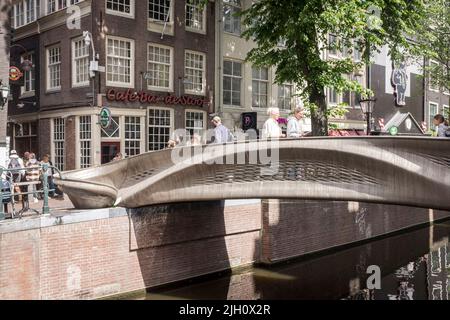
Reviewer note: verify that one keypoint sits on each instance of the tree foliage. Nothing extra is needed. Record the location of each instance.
(433, 42)
(304, 27)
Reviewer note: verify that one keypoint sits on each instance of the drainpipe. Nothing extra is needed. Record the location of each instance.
(219, 57)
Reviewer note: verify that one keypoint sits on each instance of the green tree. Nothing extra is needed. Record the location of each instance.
(304, 27)
(433, 42)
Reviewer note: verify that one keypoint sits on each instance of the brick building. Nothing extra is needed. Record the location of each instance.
(156, 73)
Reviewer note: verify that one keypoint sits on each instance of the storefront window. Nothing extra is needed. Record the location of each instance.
(113, 131)
(85, 142)
(160, 124)
(132, 136)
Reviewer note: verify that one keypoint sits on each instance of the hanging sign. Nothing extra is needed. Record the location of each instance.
(15, 74)
(105, 117)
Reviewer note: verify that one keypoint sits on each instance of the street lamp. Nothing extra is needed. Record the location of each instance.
(93, 66)
(4, 95)
(367, 107)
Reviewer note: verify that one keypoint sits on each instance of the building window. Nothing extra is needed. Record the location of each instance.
(195, 122)
(30, 10)
(113, 131)
(195, 15)
(85, 142)
(232, 83)
(433, 110)
(29, 75)
(160, 125)
(231, 10)
(160, 67)
(120, 62)
(433, 82)
(19, 14)
(58, 143)
(260, 87)
(446, 112)
(333, 46)
(54, 68)
(80, 63)
(120, 7)
(195, 66)
(132, 136)
(285, 96)
(159, 10)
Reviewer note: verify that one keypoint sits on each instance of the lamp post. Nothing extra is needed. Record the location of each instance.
(93, 66)
(4, 95)
(367, 107)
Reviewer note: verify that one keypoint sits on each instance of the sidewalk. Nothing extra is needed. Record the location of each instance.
(56, 205)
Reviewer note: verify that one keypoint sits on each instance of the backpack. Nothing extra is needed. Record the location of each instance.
(14, 164)
(447, 133)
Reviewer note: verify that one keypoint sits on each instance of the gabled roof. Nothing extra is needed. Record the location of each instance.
(399, 118)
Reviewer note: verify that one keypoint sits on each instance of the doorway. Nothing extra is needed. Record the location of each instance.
(109, 151)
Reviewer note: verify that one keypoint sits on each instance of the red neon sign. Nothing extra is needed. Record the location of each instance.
(145, 97)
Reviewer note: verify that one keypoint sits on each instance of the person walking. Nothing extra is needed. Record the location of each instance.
(15, 165)
(441, 126)
(294, 127)
(32, 175)
(221, 133)
(271, 129)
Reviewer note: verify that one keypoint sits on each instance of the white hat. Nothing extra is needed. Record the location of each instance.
(13, 154)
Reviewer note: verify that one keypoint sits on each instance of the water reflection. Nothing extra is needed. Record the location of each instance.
(414, 266)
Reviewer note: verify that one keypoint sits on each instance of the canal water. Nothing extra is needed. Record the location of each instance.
(414, 266)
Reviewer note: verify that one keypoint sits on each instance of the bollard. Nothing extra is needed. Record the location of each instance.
(2, 212)
(45, 209)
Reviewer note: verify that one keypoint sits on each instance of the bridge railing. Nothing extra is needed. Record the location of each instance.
(9, 184)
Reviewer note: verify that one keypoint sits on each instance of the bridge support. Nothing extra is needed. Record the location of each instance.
(293, 228)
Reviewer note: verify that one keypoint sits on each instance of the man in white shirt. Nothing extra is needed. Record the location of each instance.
(294, 127)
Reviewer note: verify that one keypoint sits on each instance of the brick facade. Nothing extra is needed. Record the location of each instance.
(4, 70)
(93, 254)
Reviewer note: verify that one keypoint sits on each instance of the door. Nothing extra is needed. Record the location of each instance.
(109, 151)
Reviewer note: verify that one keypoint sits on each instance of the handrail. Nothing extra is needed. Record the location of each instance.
(7, 174)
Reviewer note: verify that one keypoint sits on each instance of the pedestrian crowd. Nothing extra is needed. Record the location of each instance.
(28, 173)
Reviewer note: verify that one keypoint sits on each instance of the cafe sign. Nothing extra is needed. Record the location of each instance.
(105, 117)
(145, 97)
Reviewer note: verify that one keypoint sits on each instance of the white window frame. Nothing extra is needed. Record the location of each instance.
(429, 117)
(131, 15)
(76, 84)
(203, 28)
(55, 141)
(339, 97)
(171, 14)
(171, 127)
(205, 119)
(236, 8)
(232, 76)
(141, 132)
(32, 75)
(81, 139)
(171, 69)
(47, 67)
(444, 112)
(339, 52)
(268, 87)
(110, 83)
(430, 84)
(204, 70)
(291, 99)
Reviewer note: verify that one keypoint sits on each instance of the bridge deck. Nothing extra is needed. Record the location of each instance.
(392, 170)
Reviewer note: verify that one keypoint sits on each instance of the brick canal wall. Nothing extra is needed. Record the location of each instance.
(95, 254)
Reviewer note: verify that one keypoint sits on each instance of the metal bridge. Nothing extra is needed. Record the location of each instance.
(413, 171)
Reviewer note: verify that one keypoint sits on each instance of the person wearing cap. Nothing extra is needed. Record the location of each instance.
(15, 162)
(221, 133)
(271, 129)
